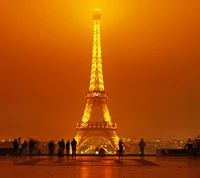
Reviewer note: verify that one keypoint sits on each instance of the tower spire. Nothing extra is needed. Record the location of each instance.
(96, 77)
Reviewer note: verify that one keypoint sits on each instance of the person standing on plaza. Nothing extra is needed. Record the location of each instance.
(15, 148)
(121, 149)
(24, 148)
(19, 140)
(73, 144)
(31, 146)
(62, 147)
(189, 146)
(142, 146)
(51, 146)
(67, 148)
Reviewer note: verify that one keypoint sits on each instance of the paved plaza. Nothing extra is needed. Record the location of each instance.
(96, 166)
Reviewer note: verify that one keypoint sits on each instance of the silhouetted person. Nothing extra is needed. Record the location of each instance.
(67, 148)
(121, 149)
(15, 148)
(189, 146)
(101, 151)
(19, 140)
(51, 146)
(31, 145)
(23, 150)
(62, 147)
(73, 144)
(142, 146)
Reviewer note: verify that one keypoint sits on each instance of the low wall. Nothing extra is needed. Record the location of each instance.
(178, 152)
(6, 151)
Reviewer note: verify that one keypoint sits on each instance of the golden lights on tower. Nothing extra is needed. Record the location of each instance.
(96, 78)
(87, 111)
(96, 88)
(97, 97)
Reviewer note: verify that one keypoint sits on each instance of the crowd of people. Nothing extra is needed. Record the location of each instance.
(69, 148)
(63, 146)
(16, 147)
(20, 147)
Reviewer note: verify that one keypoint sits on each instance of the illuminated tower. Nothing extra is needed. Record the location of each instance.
(96, 132)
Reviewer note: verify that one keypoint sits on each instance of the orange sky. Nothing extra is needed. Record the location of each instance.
(151, 53)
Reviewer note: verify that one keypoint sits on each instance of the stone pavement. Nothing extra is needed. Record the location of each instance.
(96, 166)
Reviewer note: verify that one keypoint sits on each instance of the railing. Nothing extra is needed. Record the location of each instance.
(96, 94)
(96, 125)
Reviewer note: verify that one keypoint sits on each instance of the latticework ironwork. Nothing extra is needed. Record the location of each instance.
(96, 97)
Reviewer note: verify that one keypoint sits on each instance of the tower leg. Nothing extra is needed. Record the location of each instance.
(106, 113)
(87, 112)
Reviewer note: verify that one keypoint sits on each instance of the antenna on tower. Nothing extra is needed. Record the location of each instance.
(97, 14)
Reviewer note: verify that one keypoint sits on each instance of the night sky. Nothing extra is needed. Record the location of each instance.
(150, 52)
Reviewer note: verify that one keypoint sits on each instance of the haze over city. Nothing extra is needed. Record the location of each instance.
(150, 53)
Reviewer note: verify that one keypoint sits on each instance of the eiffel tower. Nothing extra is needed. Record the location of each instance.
(96, 133)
